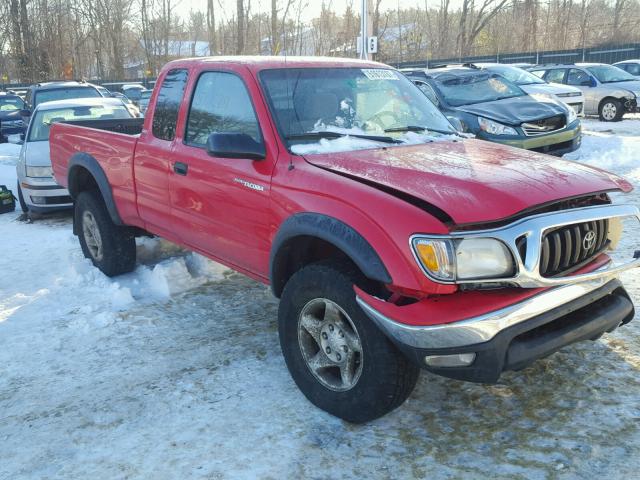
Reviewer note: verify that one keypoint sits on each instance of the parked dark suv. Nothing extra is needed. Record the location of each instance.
(49, 91)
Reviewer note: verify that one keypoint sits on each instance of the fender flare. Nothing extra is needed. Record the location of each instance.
(86, 161)
(333, 231)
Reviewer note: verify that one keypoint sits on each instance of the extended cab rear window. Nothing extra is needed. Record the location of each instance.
(165, 115)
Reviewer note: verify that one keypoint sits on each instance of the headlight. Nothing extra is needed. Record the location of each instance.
(495, 128)
(449, 260)
(572, 116)
(39, 172)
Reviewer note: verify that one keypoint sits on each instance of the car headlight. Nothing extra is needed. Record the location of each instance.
(572, 116)
(495, 128)
(39, 172)
(449, 260)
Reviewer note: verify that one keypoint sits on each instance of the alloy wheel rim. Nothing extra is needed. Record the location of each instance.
(609, 111)
(92, 236)
(330, 344)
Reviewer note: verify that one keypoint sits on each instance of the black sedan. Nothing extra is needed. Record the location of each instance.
(495, 109)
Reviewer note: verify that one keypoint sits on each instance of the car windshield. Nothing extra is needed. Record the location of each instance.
(64, 94)
(374, 104)
(43, 119)
(516, 75)
(9, 104)
(610, 74)
(473, 88)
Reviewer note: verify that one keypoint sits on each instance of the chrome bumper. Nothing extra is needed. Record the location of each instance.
(483, 328)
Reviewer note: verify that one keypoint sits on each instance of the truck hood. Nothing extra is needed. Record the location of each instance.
(472, 181)
(514, 111)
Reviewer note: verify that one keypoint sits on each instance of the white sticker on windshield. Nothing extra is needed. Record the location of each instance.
(379, 74)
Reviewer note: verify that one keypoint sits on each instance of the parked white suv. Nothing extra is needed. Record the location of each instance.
(534, 85)
(630, 66)
(609, 91)
(38, 192)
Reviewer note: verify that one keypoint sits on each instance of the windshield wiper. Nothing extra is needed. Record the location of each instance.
(329, 134)
(408, 128)
(417, 129)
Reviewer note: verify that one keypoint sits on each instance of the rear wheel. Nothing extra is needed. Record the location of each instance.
(338, 358)
(110, 247)
(611, 110)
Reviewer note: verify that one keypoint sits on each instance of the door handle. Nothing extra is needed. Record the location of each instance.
(180, 168)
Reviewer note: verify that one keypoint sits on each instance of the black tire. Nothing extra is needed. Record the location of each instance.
(610, 110)
(23, 204)
(386, 377)
(118, 245)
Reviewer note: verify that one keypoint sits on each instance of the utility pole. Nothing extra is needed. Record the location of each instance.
(365, 28)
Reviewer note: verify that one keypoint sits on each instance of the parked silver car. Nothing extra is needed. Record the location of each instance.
(37, 190)
(534, 85)
(609, 91)
(630, 66)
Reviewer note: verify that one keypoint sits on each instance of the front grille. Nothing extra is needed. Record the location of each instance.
(544, 126)
(568, 248)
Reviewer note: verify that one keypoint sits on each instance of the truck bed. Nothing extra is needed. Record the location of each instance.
(110, 143)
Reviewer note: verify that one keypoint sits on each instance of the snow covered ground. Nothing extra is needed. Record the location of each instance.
(174, 372)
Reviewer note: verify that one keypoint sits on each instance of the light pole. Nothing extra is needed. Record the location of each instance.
(364, 17)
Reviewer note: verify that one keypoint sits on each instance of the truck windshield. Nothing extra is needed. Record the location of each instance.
(382, 105)
(41, 123)
(472, 88)
(65, 94)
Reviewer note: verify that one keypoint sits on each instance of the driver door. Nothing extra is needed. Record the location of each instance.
(222, 204)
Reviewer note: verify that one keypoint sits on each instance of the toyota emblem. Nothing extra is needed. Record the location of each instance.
(589, 239)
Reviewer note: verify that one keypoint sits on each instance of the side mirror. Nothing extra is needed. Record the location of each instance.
(456, 122)
(235, 145)
(593, 82)
(23, 136)
(25, 112)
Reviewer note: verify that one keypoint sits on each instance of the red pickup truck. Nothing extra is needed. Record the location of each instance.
(392, 242)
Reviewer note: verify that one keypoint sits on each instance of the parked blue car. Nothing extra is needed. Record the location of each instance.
(492, 108)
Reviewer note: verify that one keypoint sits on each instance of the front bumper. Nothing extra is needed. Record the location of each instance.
(558, 143)
(631, 106)
(44, 195)
(513, 337)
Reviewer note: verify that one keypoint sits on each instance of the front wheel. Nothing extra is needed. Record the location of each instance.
(23, 204)
(338, 358)
(110, 247)
(611, 110)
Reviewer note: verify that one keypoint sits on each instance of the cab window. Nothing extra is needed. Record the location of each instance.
(165, 115)
(220, 104)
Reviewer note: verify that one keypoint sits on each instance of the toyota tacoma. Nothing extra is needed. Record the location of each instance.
(392, 242)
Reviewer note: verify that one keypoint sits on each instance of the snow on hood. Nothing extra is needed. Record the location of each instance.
(473, 181)
(349, 143)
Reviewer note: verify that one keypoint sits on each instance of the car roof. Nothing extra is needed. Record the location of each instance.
(8, 94)
(257, 63)
(64, 84)
(628, 61)
(79, 102)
